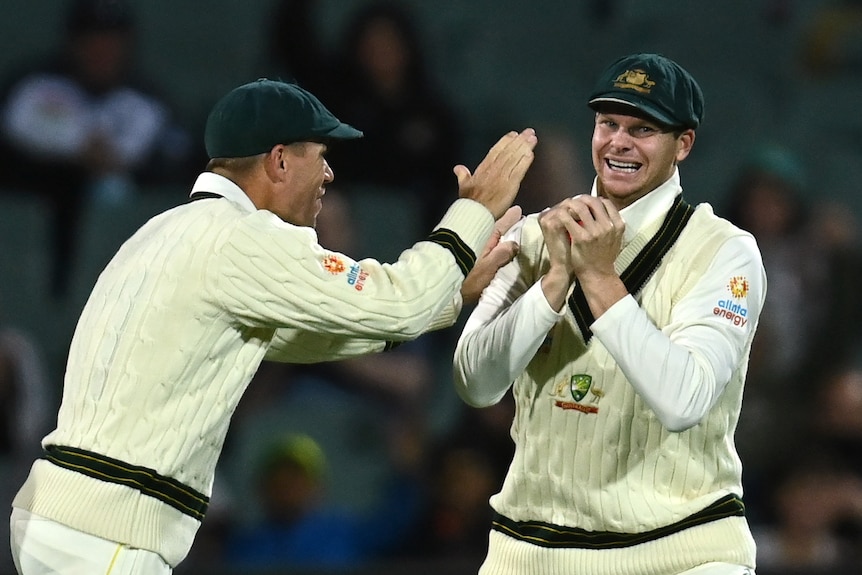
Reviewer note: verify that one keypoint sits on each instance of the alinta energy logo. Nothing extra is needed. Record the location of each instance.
(356, 277)
(729, 308)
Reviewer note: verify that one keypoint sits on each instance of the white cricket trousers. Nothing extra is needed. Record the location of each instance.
(44, 547)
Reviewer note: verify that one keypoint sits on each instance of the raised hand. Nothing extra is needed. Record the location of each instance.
(498, 176)
(583, 235)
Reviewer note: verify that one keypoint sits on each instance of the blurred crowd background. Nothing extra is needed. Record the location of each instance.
(373, 465)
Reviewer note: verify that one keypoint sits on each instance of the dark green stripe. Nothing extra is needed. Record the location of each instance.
(464, 256)
(642, 267)
(204, 196)
(556, 536)
(636, 275)
(147, 481)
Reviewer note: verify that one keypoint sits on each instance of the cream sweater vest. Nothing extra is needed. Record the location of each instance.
(605, 463)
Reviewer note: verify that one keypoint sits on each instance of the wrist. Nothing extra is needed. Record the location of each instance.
(602, 290)
(555, 286)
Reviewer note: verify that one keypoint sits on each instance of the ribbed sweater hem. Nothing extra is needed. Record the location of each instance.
(726, 540)
(107, 510)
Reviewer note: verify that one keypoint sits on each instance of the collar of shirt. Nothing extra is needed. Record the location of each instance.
(216, 184)
(653, 205)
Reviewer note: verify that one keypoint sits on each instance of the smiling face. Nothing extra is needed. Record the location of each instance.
(633, 155)
(305, 173)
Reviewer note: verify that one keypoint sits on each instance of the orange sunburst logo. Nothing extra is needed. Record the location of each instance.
(738, 287)
(334, 264)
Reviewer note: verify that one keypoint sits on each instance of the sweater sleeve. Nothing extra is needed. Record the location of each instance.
(275, 275)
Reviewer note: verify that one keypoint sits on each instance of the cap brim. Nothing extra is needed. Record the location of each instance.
(638, 104)
(343, 131)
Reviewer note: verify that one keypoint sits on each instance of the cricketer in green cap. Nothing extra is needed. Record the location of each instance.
(655, 85)
(254, 117)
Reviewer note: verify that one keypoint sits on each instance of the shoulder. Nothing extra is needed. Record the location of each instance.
(706, 221)
(25, 71)
(708, 236)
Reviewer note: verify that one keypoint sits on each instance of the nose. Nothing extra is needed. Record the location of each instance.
(621, 139)
(328, 174)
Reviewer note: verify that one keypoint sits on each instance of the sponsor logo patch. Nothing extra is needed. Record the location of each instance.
(334, 264)
(356, 277)
(729, 308)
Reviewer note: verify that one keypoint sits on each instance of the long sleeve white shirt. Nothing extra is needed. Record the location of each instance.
(627, 435)
(690, 360)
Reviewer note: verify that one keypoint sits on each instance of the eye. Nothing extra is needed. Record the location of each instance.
(644, 131)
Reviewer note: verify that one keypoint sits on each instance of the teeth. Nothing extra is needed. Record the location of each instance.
(623, 166)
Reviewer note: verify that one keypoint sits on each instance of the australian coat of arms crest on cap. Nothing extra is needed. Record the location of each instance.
(635, 80)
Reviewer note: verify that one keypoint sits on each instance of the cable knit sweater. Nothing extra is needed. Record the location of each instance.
(175, 328)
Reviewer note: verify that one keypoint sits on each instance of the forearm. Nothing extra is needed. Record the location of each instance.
(677, 382)
(681, 369)
(490, 355)
(448, 316)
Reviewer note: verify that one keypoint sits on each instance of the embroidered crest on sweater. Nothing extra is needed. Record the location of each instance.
(580, 387)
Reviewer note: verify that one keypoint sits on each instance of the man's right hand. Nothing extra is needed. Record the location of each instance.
(498, 177)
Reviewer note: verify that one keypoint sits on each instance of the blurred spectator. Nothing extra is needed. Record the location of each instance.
(832, 40)
(812, 501)
(456, 519)
(83, 126)
(766, 200)
(25, 404)
(464, 470)
(556, 173)
(412, 132)
(840, 422)
(810, 318)
(25, 400)
(815, 510)
(488, 430)
(817, 506)
(295, 52)
(300, 529)
(804, 246)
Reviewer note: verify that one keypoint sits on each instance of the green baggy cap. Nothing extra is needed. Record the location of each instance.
(654, 84)
(254, 117)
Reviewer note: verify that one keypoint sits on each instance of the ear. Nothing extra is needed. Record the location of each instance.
(684, 143)
(275, 163)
